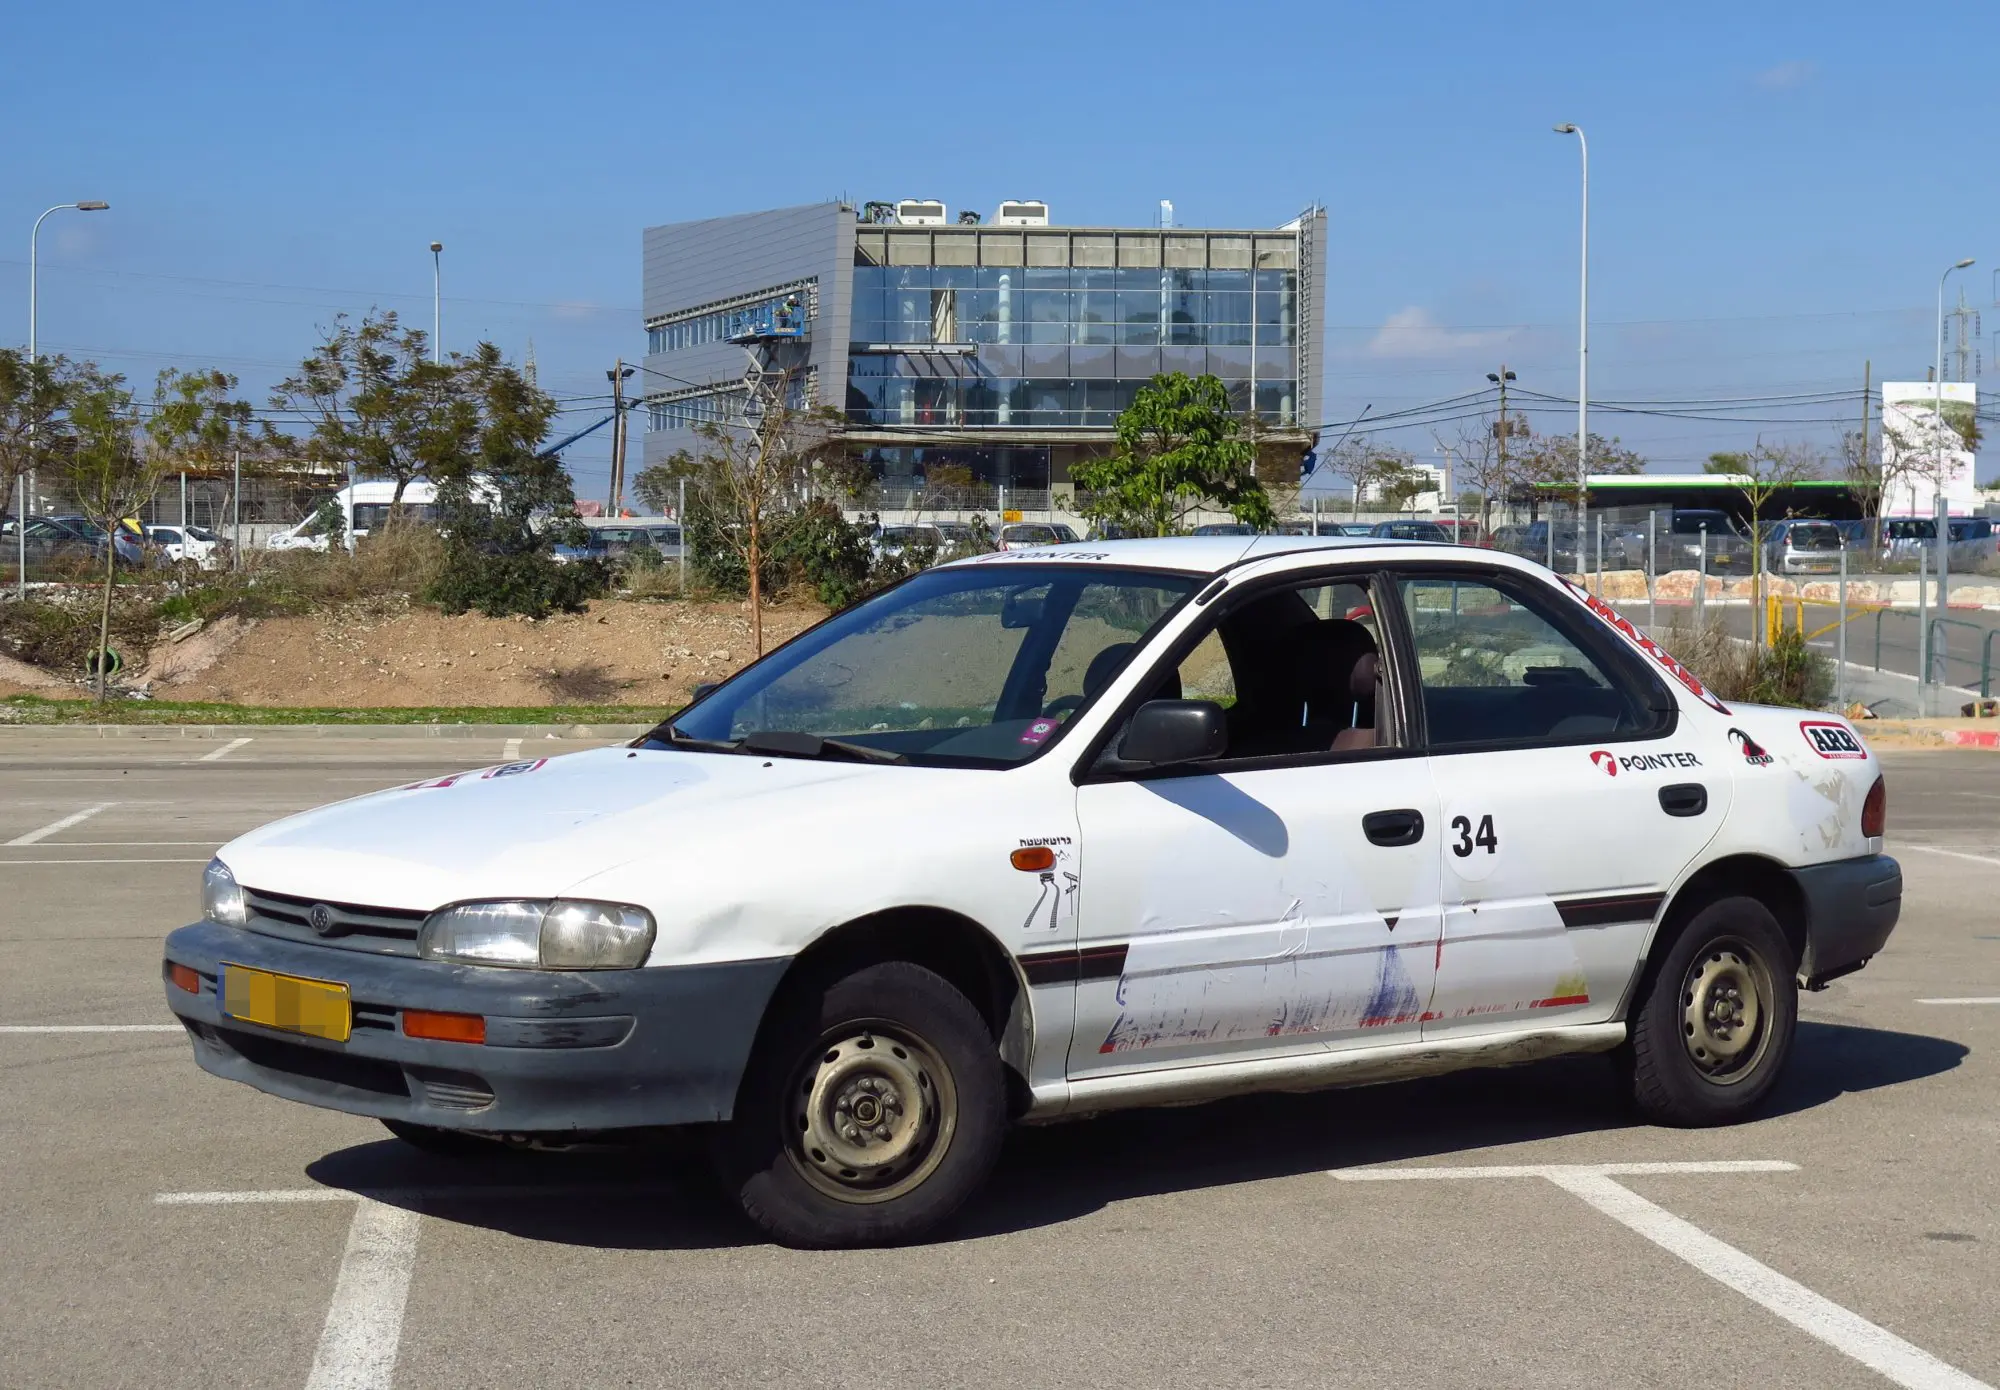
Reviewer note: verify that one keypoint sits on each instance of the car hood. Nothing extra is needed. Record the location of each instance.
(525, 829)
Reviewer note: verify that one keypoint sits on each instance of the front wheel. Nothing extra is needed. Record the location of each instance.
(1713, 1031)
(872, 1109)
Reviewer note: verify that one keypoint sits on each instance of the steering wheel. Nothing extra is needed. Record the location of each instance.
(1062, 704)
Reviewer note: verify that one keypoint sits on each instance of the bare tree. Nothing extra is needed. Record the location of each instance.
(1766, 469)
(111, 476)
(1364, 464)
(1480, 461)
(747, 475)
(1862, 469)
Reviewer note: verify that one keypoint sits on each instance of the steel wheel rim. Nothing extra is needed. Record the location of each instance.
(1726, 1001)
(870, 1113)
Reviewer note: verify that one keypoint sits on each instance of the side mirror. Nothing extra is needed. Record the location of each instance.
(1166, 732)
(701, 690)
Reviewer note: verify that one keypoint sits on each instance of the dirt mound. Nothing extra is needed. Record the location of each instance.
(173, 662)
(19, 678)
(618, 653)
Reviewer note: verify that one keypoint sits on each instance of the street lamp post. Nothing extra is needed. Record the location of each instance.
(1939, 507)
(21, 519)
(1582, 345)
(437, 303)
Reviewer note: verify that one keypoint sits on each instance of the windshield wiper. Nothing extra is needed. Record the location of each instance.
(667, 733)
(789, 743)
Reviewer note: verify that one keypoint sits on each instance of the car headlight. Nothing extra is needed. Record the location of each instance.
(221, 900)
(536, 934)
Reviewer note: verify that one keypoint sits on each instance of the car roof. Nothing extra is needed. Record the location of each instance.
(1212, 554)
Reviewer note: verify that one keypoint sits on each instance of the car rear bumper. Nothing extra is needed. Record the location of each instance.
(566, 1051)
(1851, 907)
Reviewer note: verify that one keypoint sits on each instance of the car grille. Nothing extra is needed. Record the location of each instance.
(383, 931)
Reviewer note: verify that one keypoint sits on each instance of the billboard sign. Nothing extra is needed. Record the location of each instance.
(1924, 454)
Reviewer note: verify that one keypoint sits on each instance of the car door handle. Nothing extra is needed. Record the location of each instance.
(1684, 799)
(1393, 828)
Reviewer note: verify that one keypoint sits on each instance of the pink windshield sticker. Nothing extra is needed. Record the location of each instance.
(1038, 731)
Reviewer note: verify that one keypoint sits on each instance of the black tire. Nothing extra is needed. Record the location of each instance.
(1713, 1029)
(873, 1106)
(444, 1143)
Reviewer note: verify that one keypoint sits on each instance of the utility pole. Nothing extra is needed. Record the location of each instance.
(1500, 432)
(1867, 390)
(615, 498)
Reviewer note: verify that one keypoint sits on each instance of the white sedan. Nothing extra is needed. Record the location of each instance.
(1050, 832)
(194, 545)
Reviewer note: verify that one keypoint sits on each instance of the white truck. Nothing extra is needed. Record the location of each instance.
(1048, 832)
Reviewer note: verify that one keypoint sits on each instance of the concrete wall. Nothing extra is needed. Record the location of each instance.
(687, 264)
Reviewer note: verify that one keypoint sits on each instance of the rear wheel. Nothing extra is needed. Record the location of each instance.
(870, 1112)
(1713, 1031)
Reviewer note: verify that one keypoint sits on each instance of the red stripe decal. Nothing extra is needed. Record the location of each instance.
(1560, 1001)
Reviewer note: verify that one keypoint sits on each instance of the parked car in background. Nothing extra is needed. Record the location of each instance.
(192, 545)
(1347, 528)
(1973, 541)
(962, 537)
(49, 544)
(126, 537)
(1513, 539)
(1802, 545)
(1464, 530)
(1225, 528)
(892, 542)
(1681, 548)
(1410, 531)
(1021, 535)
(663, 539)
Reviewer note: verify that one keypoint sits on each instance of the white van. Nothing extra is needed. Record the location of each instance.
(363, 506)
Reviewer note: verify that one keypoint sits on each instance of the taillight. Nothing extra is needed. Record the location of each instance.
(1875, 810)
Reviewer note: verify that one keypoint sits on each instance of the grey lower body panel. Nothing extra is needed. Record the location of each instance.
(1851, 907)
(566, 1051)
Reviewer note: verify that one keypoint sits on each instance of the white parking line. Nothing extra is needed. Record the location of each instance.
(90, 1028)
(1969, 999)
(1877, 1348)
(513, 750)
(224, 751)
(35, 837)
(10, 863)
(1954, 854)
(364, 1323)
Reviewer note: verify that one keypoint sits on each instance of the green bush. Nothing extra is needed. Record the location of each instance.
(1787, 672)
(531, 583)
(818, 549)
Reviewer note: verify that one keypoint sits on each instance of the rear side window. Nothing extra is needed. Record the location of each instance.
(1499, 666)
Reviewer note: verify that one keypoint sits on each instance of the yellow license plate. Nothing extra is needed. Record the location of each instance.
(317, 1008)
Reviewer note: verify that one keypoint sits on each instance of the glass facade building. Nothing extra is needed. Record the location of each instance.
(1006, 350)
(1048, 329)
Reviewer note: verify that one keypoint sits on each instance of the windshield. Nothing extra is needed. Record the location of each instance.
(977, 667)
(1693, 523)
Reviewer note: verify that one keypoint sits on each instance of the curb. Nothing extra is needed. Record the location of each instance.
(275, 731)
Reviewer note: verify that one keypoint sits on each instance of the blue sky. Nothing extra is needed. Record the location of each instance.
(1764, 215)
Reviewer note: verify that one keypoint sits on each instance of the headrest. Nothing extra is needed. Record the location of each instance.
(1103, 667)
(1367, 674)
(1328, 653)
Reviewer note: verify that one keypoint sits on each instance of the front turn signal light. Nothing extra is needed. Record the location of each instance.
(184, 978)
(443, 1027)
(1875, 810)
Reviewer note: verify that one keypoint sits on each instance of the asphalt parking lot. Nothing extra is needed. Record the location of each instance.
(164, 1228)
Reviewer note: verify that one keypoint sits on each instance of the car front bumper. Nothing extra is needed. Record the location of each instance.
(566, 1051)
(1851, 907)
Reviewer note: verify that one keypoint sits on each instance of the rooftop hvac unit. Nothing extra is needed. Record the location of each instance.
(920, 212)
(1022, 212)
